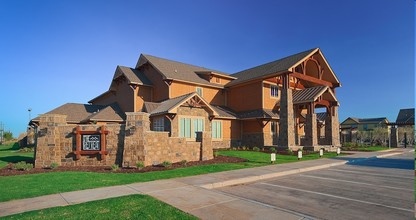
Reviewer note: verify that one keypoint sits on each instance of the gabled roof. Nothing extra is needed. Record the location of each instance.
(311, 94)
(406, 115)
(133, 76)
(277, 66)
(173, 70)
(80, 113)
(259, 113)
(112, 112)
(171, 105)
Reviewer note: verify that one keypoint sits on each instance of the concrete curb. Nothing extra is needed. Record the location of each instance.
(388, 155)
(268, 176)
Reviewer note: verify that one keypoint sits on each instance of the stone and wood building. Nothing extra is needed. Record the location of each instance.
(167, 110)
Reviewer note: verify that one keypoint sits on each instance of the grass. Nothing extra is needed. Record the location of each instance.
(372, 148)
(10, 154)
(32, 185)
(261, 158)
(126, 207)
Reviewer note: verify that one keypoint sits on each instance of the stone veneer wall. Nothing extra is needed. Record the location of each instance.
(56, 143)
(153, 147)
(125, 144)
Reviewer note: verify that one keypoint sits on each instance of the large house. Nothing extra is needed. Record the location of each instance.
(272, 104)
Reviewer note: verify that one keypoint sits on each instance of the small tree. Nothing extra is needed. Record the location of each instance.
(7, 135)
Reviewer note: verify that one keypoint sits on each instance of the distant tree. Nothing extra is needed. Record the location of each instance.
(7, 135)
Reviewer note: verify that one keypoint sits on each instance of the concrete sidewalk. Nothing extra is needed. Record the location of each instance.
(193, 195)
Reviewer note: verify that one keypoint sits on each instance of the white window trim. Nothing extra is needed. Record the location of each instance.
(278, 92)
(202, 91)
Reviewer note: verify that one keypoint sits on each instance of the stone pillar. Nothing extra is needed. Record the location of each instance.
(394, 137)
(48, 149)
(332, 127)
(206, 145)
(286, 125)
(137, 124)
(311, 132)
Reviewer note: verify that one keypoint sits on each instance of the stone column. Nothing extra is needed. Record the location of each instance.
(137, 124)
(206, 145)
(332, 127)
(286, 125)
(48, 149)
(394, 136)
(311, 132)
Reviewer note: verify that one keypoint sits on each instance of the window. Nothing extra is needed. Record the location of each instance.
(185, 127)
(217, 80)
(216, 129)
(188, 127)
(198, 125)
(274, 91)
(199, 91)
(274, 127)
(158, 124)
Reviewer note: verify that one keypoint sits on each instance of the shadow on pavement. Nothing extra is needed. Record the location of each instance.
(407, 164)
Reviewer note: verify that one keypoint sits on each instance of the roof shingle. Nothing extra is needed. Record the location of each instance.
(269, 68)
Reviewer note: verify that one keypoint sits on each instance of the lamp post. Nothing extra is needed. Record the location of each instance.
(29, 110)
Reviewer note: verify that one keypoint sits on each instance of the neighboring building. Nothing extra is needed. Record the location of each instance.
(403, 130)
(268, 105)
(350, 127)
(406, 117)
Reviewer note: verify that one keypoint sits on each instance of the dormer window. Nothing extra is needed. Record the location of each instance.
(199, 91)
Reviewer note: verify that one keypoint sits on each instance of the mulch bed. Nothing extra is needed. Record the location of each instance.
(8, 171)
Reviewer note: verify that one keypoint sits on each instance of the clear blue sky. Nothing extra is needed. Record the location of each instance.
(54, 52)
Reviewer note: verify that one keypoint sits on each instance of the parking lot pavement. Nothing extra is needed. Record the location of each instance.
(376, 188)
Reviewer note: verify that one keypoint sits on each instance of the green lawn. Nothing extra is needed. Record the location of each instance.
(261, 158)
(365, 148)
(32, 185)
(10, 154)
(126, 207)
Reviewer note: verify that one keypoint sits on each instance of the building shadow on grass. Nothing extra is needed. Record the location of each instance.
(15, 159)
(394, 163)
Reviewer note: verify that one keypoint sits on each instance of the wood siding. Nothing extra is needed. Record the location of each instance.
(160, 88)
(247, 97)
(211, 95)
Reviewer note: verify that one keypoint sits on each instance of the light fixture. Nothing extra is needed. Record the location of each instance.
(273, 157)
(321, 152)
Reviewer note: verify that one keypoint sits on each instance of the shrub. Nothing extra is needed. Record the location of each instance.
(140, 165)
(243, 148)
(115, 167)
(54, 165)
(273, 149)
(26, 150)
(184, 162)
(166, 164)
(215, 153)
(256, 149)
(22, 166)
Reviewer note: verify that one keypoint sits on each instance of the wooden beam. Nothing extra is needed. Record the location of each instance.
(312, 79)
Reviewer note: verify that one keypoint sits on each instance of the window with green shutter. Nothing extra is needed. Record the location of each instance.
(216, 129)
(185, 127)
(198, 125)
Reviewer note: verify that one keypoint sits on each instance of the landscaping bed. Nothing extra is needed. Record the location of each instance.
(8, 171)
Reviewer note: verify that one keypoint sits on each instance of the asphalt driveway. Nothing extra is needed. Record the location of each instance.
(375, 188)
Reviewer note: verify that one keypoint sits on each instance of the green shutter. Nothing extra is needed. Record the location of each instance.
(187, 127)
